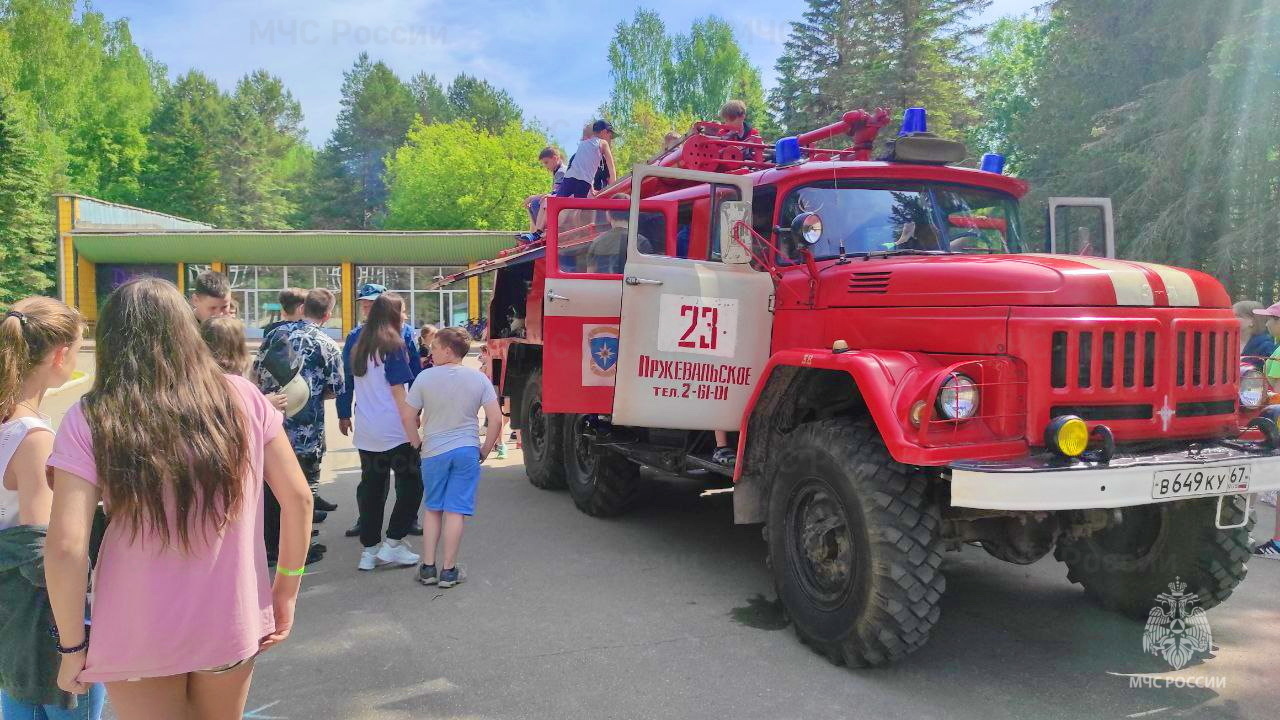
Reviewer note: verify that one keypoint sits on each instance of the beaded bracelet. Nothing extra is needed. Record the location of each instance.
(53, 631)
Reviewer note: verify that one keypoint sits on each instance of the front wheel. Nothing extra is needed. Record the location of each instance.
(1125, 566)
(853, 544)
(602, 483)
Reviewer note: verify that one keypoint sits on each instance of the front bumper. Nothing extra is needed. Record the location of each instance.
(1050, 483)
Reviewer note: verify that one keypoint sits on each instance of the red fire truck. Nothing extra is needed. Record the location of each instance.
(902, 373)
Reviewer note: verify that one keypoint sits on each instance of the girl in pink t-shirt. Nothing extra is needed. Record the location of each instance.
(177, 452)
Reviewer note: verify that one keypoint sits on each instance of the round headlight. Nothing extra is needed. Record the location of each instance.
(807, 227)
(1253, 389)
(1068, 435)
(958, 398)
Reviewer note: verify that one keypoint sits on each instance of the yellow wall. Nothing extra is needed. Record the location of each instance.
(67, 250)
(473, 296)
(182, 278)
(348, 297)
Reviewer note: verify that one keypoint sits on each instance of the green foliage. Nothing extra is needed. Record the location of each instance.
(844, 55)
(431, 98)
(181, 175)
(26, 244)
(478, 102)
(377, 109)
(90, 87)
(1172, 109)
(458, 175)
(1005, 78)
(664, 82)
(256, 161)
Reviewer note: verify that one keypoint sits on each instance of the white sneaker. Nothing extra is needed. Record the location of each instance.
(397, 552)
(369, 558)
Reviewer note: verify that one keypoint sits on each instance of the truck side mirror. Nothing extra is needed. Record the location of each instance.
(734, 251)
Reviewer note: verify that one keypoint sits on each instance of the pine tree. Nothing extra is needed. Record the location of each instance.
(847, 54)
(265, 125)
(182, 173)
(377, 109)
(26, 246)
(476, 101)
(430, 96)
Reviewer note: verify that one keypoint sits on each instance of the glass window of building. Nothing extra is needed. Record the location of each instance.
(256, 290)
(444, 307)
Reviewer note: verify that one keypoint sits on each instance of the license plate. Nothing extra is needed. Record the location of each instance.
(1222, 480)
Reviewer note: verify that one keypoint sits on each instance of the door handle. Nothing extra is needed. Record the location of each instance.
(633, 280)
(552, 296)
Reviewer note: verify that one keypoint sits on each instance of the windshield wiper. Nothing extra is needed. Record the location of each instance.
(899, 251)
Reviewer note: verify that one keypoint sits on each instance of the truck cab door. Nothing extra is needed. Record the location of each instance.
(1081, 226)
(582, 299)
(695, 333)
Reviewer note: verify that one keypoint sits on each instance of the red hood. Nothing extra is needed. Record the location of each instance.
(1009, 280)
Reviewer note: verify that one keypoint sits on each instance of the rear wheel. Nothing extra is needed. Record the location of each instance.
(602, 483)
(853, 544)
(1127, 565)
(542, 439)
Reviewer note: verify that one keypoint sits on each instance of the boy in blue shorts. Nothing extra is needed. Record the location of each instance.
(450, 397)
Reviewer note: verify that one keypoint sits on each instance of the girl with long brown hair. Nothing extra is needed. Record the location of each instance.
(39, 339)
(386, 432)
(177, 451)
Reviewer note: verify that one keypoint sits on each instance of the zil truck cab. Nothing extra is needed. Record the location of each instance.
(902, 372)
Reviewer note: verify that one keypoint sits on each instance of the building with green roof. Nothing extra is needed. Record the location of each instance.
(101, 245)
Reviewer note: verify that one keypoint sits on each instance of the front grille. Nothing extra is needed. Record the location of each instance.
(1127, 350)
(1205, 409)
(872, 282)
(1204, 358)
(1104, 412)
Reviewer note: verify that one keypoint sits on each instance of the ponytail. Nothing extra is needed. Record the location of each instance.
(14, 361)
(31, 329)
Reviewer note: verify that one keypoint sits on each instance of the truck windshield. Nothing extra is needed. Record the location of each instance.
(908, 218)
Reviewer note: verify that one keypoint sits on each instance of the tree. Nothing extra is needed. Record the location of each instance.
(93, 91)
(458, 175)
(26, 248)
(181, 175)
(846, 54)
(642, 137)
(639, 63)
(478, 102)
(1005, 78)
(377, 110)
(265, 124)
(431, 98)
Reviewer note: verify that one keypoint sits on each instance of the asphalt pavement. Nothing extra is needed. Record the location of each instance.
(668, 613)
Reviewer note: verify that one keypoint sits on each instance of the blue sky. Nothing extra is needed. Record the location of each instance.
(551, 56)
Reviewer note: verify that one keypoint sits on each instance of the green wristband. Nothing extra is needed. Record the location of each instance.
(291, 573)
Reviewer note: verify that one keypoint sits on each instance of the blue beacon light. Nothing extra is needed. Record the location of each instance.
(993, 163)
(786, 151)
(914, 120)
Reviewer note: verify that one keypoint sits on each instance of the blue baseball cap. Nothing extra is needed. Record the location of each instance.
(370, 291)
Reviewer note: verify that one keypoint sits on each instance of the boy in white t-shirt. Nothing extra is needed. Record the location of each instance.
(450, 397)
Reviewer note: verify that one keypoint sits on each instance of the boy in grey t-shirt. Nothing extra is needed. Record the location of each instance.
(450, 396)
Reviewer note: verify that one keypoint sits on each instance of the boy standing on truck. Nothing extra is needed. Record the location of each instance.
(580, 179)
(450, 396)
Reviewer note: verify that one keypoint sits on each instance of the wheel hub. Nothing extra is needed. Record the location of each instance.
(820, 543)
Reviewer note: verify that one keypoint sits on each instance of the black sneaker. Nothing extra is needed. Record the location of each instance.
(452, 576)
(416, 530)
(325, 505)
(427, 574)
(318, 516)
(724, 456)
(354, 530)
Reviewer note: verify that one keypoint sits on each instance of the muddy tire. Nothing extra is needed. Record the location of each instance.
(854, 544)
(602, 483)
(1125, 566)
(542, 439)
